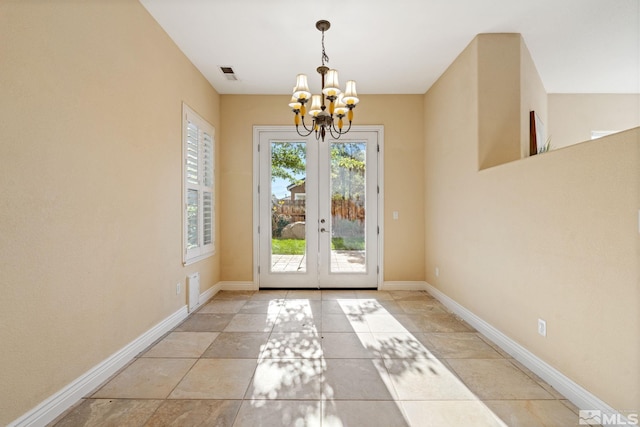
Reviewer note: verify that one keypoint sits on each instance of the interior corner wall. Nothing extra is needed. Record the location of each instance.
(91, 194)
(572, 116)
(552, 236)
(498, 99)
(533, 97)
(403, 184)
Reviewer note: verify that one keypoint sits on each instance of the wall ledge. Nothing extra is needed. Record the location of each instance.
(578, 395)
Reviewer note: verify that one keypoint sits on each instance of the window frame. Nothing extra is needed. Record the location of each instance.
(190, 253)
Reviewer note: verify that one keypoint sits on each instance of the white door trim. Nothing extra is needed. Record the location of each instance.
(256, 196)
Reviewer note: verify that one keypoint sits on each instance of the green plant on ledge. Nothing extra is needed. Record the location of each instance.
(546, 147)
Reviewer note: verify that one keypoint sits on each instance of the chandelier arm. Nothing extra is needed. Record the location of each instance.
(304, 135)
(338, 131)
(306, 128)
(337, 134)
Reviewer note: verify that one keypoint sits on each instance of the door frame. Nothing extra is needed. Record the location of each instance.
(257, 130)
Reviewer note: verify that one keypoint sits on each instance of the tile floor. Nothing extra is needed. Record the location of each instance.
(323, 358)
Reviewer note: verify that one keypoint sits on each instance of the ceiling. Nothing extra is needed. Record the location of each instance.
(402, 46)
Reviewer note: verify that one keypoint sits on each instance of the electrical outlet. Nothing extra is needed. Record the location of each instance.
(542, 327)
(178, 287)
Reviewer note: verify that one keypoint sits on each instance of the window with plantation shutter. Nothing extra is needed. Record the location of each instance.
(198, 183)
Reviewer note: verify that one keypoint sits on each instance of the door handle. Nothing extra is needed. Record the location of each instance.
(323, 230)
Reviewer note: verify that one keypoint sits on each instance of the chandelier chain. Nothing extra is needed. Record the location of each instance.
(324, 54)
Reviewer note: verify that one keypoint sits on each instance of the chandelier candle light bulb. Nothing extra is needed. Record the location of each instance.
(340, 104)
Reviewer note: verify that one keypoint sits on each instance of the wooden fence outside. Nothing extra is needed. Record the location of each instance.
(296, 209)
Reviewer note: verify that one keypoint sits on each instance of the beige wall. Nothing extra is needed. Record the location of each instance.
(533, 97)
(572, 117)
(90, 200)
(553, 236)
(498, 98)
(402, 118)
(508, 88)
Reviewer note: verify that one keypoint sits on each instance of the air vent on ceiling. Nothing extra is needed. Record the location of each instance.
(228, 73)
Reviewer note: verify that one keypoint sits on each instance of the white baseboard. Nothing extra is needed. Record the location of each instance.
(55, 405)
(58, 403)
(579, 396)
(208, 294)
(238, 286)
(404, 286)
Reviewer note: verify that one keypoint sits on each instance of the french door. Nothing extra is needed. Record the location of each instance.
(317, 215)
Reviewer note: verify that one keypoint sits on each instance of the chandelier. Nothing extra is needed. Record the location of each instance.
(341, 104)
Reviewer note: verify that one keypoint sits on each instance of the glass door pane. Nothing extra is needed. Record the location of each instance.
(288, 207)
(317, 210)
(348, 207)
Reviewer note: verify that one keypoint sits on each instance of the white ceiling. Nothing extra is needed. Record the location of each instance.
(401, 46)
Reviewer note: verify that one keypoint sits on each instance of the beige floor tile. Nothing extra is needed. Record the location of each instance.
(180, 413)
(293, 345)
(299, 316)
(361, 307)
(243, 295)
(205, 323)
(450, 413)
(242, 322)
(359, 413)
(270, 306)
(395, 345)
(216, 379)
(533, 413)
(237, 345)
(338, 294)
(494, 346)
(324, 358)
(270, 294)
(458, 345)
(287, 379)
(410, 295)
(303, 325)
(222, 306)
(301, 305)
(146, 378)
(373, 294)
(439, 322)
(332, 307)
(391, 307)
(552, 391)
(281, 413)
(347, 345)
(343, 323)
(110, 413)
(425, 379)
(357, 379)
(421, 306)
(311, 295)
(497, 379)
(182, 344)
(570, 405)
(385, 323)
